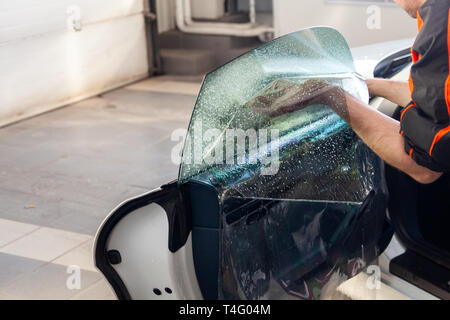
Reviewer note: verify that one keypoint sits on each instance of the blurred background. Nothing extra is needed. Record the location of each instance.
(56, 52)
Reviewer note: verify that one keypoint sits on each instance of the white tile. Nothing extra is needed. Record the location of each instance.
(6, 297)
(166, 86)
(356, 289)
(12, 230)
(98, 291)
(12, 267)
(49, 282)
(45, 244)
(81, 256)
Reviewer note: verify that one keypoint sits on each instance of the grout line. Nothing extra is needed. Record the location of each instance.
(85, 289)
(22, 236)
(42, 265)
(9, 296)
(76, 247)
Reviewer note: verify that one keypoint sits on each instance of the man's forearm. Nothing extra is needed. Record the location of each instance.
(396, 91)
(378, 131)
(381, 134)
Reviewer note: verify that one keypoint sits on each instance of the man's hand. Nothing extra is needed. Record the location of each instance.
(284, 96)
(396, 91)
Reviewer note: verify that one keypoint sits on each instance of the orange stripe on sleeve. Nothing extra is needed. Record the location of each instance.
(447, 82)
(446, 130)
(406, 109)
(411, 85)
(414, 55)
(419, 21)
(438, 136)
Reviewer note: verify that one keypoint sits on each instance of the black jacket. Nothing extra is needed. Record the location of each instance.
(425, 122)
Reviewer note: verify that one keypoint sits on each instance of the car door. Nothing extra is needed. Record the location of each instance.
(144, 250)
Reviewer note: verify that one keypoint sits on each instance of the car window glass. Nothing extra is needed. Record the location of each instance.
(230, 144)
(298, 189)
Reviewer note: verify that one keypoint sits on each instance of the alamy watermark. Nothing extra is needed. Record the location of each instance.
(374, 17)
(373, 281)
(73, 281)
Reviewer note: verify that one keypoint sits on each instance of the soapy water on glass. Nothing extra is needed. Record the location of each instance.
(278, 232)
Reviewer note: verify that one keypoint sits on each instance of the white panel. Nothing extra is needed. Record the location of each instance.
(367, 57)
(26, 18)
(211, 9)
(349, 19)
(43, 72)
(141, 237)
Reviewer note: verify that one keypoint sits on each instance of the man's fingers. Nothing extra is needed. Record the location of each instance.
(285, 96)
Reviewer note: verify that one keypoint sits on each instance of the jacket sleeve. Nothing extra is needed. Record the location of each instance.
(425, 121)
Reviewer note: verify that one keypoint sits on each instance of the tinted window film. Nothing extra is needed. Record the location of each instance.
(302, 199)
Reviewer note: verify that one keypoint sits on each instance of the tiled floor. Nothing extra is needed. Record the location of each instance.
(62, 172)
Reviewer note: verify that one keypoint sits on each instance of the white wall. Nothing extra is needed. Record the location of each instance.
(349, 19)
(211, 9)
(45, 65)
